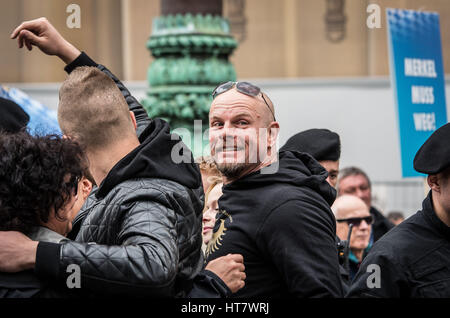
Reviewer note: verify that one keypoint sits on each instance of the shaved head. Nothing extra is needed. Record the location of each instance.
(269, 105)
(233, 98)
(347, 206)
(92, 109)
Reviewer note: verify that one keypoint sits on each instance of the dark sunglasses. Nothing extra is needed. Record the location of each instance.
(357, 221)
(242, 87)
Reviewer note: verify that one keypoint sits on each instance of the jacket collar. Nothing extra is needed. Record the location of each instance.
(433, 219)
(152, 159)
(353, 258)
(41, 233)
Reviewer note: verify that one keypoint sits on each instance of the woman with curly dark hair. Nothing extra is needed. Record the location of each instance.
(39, 179)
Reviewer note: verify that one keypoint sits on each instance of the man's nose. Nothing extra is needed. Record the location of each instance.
(363, 225)
(359, 193)
(229, 131)
(229, 137)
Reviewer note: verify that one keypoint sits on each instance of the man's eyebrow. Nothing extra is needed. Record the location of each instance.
(241, 114)
(215, 118)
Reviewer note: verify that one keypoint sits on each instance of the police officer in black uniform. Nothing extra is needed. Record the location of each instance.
(413, 259)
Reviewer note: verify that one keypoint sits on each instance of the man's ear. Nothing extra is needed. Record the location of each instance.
(274, 129)
(133, 120)
(433, 183)
(86, 188)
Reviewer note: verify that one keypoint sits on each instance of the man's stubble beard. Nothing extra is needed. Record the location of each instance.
(236, 170)
(232, 170)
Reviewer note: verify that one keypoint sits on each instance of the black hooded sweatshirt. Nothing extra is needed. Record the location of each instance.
(283, 226)
(152, 159)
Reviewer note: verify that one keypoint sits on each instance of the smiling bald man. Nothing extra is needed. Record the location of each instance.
(275, 210)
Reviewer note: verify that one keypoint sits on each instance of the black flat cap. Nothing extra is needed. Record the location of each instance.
(12, 117)
(322, 144)
(434, 155)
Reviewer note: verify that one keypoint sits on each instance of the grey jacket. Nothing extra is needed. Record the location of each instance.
(41, 233)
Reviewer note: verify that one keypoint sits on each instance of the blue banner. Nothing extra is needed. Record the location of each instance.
(417, 76)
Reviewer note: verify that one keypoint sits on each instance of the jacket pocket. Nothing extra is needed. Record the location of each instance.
(431, 273)
(437, 289)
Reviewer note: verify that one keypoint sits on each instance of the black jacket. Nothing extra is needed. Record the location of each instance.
(381, 225)
(25, 284)
(413, 260)
(145, 224)
(283, 226)
(141, 234)
(206, 284)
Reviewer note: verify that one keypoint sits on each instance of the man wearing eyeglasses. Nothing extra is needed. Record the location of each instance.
(275, 209)
(349, 211)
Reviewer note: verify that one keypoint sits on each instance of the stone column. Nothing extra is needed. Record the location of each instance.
(191, 43)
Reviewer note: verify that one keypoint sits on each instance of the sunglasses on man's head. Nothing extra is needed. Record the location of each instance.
(242, 87)
(357, 221)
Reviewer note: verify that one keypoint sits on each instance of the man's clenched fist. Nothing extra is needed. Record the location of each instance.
(230, 269)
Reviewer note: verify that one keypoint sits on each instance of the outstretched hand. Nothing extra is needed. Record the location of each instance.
(17, 252)
(41, 33)
(230, 269)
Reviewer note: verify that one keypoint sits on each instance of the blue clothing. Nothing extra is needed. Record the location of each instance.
(43, 121)
(354, 262)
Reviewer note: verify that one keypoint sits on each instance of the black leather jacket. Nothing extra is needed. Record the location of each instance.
(141, 233)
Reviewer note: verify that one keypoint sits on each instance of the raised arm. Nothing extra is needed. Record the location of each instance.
(41, 33)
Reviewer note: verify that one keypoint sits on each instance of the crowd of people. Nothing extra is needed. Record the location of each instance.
(249, 220)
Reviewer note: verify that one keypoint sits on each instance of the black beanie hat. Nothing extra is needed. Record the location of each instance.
(434, 155)
(12, 117)
(322, 144)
